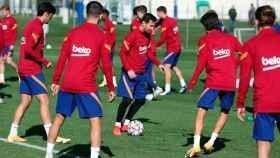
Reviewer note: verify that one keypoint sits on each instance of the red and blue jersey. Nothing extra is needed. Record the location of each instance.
(136, 49)
(82, 51)
(110, 31)
(171, 35)
(263, 59)
(31, 56)
(217, 55)
(9, 26)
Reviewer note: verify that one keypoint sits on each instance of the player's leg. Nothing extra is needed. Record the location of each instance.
(152, 86)
(167, 72)
(134, 108)
(2, 70)
(263, 149)
(227, 99)
(53, 134)
(205, 102)
(18, 115)
(95, 137)
(120, 115)
(125, 90)
(181, 79)
(44, 111)
(11, 62)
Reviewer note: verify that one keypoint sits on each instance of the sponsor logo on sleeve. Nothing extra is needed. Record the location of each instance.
(220, 54)
(270, 63)
(80, 51)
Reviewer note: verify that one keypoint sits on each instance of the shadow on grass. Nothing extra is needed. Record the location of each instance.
(147, 120)
(12, 79)
(37, 130)
(83, 151)
(219, 143)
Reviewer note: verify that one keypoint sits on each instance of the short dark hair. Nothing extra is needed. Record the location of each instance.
(45, 7)
(5, 7)
(106, 11)
(148, 17)
(162, 9)
(265, 15)
(210, 20)
(94, 9)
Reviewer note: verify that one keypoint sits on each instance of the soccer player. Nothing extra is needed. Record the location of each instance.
(135, 51)
(138, 12)
(110, 30)
(263, 56)
(216, 55)
(171, 35)
(32, 81)
(9, 26)
(82, 51)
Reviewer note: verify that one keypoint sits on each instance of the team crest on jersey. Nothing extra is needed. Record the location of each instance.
(270, 63)
(176, 29)
(221, 53)
(80, 51)
(143, 49)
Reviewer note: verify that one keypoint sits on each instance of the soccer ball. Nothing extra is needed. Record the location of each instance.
(135, 128)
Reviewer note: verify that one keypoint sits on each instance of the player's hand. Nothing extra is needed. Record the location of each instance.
(162, 68)
(112, 96)
(55, 89)
(241, 113)
(49, 65)
(131, 74)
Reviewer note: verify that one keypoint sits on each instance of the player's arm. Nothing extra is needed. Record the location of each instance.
(245, 76)
(113, 33)
(201, 63)
(107, 67)
(14, 32)
(124, 51)
(163, 36)
(152, 55)
(32, 42)
(62, 59)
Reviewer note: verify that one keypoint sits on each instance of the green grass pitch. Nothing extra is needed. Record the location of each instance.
(168, 122)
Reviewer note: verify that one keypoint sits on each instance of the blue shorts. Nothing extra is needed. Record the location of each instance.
(171, 58)
(264, 126)
(33, 85)
(88, 104)
(208, 97)
(132, 88)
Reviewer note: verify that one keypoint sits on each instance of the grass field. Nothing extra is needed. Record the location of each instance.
(168, 122)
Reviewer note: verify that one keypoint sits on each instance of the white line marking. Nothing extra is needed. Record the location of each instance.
(39, 148)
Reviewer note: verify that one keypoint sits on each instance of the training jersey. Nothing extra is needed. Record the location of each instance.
(82, 51)
(263, 59)
(9, 26)
(135, 24)
(171, 35)
(136, 49)
(110, 31)
(31, 55)
(217, 55)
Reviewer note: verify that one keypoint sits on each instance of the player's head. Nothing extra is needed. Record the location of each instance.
(94, 10)
(161, 12)
(148, 22)
(210, 20)
(46, 11)
(265, 16)
(105, 13)
(140, 11)
(5, 10)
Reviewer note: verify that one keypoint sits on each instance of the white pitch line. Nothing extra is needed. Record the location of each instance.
(38, 148)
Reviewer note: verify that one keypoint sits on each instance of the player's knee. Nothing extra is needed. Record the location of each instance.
(126, 101)
(225, 111)
(140, 102)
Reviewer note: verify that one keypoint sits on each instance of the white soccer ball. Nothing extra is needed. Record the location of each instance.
(135, 128)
